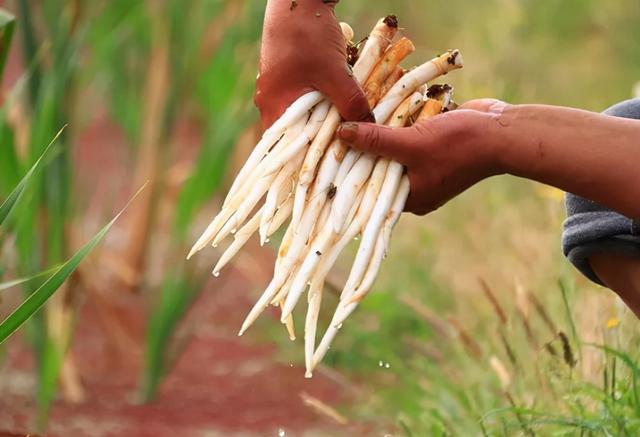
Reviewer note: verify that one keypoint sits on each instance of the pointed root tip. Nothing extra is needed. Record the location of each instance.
(192, 252)
(308, 374)
(292, 337)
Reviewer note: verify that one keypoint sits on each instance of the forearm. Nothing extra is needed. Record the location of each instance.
(592, 155)
(622, 275)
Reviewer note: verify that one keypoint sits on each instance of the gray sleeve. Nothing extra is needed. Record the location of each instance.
(593, 229)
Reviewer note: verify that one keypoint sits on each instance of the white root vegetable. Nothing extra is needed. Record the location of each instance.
(414, 79)
(281, 216)
(320, 244)
(353, 183)
(330, 193)
(243, 211)
(346, 165)
(240, 239)
(361, 171)
(232, 200)
(372, 52)
(281, 187)
(408, 107)
(346, 308)
(311, 325)
(395, 213)
(294, 112)
(357, 225)
(310, 131)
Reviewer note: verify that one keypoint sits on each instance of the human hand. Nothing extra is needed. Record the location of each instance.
(444, 155)
(303, 49)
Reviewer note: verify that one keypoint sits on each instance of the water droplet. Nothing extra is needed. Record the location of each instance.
(356, 239)
(267, 240)
(308, 282)
(387, 365)
(339, 326)
(281, 432)
(380, 363)
(216, 274)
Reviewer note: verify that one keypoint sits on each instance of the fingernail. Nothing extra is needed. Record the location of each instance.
(348, 131)
(368, 118)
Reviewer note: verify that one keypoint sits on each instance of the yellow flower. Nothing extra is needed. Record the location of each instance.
(613, 323)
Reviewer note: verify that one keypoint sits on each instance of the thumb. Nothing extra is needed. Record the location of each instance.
(395, 143)
(344, 92)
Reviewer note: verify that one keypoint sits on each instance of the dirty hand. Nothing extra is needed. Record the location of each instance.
(302, 50)
(444, 155)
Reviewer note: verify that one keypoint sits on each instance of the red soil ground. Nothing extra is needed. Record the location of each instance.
(221, 385)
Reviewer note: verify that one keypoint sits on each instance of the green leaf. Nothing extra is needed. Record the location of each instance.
(7, 24)
(39, 297)
(14, 196)
(15, 282)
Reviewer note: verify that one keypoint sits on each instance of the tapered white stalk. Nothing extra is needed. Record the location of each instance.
(311, 325)
(303, 140)
(388, 188)
(291, 329)
(240, 239)
(346, 165)
(317, 248)
(298, 109)
(281, 188)
(279, 298)
(233, 201)
(237, 219)
(346, 307)
(396, 211)
(281, 216)
(414, 79)
(353, 183)
(392, 178)
(356, 225)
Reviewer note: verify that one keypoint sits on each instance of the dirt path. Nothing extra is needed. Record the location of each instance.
(222, 384)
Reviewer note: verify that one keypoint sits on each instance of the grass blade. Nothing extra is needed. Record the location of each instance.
(39, 297)
(7, 24)
(14, 196)
(15, 282)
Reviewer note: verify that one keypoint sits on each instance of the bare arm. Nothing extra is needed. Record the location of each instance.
(595, 156)
(592, 155)
(621, 274)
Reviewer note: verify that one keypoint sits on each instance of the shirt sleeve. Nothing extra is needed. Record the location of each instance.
(591, 228)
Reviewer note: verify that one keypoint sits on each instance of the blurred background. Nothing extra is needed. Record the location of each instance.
(476, 326)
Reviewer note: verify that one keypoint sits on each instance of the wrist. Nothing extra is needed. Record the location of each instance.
(486, 138)
(507, 145)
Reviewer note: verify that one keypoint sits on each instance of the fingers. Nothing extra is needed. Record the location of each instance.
(394, 143)
(274, 101)
(344, 92)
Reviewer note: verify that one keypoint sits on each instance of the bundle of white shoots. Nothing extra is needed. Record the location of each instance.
(329, 193)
